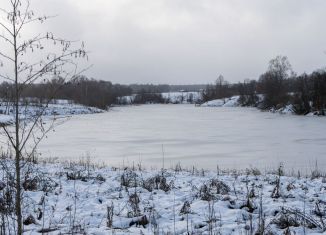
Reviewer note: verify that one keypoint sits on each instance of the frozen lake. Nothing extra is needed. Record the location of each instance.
(203, 137)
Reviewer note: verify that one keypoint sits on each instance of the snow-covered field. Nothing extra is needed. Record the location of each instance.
(200, 136)
(75, 199)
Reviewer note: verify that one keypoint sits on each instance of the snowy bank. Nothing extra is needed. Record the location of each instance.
(60, 108)
(234, 102)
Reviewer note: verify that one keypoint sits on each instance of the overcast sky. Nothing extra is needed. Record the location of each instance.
(191, 41)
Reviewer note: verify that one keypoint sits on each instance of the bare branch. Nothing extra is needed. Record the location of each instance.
(39, 19)
(6, 77)
(3, 10)
(43, 70)
(7, 29)
(9, 136)
(7, 39)
(7, 57)
(41, 113)
(39, 139)
(38, 39)
(23, 20)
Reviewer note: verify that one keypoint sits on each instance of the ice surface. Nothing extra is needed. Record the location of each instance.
(227, 136)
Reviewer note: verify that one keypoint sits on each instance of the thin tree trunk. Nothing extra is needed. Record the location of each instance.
(17, 147)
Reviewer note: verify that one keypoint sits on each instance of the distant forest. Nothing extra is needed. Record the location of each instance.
(279, 86)
(90, 92)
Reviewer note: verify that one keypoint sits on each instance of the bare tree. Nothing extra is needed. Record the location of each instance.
(247, 92)
(26, 61)
(273, 82)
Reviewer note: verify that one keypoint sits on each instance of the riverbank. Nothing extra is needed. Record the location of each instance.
(57, 108)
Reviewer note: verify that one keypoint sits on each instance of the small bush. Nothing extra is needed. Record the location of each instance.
(29, 220)
(129, 179)
(186, 208)
(209, 191)
(134, 201)
(142, 221)
(158, 182)
(39, 183)
(76, 175)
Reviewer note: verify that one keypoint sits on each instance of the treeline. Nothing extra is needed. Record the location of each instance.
(91, 92)
(277, 88)
(82, 90)
(145, 97)
(162, 88)
(150, 93)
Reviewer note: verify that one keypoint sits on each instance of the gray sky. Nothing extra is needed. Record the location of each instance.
(191, 41)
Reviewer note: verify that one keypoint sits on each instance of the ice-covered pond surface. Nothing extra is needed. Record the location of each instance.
(199, 136)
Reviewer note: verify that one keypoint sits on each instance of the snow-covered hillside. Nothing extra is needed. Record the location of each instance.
(85, 199)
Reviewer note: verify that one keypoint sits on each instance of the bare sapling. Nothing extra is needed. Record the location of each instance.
(26, 60)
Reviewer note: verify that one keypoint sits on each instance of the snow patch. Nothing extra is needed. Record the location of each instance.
(5, 119)
(227, 102)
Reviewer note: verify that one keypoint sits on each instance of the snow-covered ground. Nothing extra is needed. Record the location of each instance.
(75, 199)
(205, 137)
(6, 119)
(234, 102)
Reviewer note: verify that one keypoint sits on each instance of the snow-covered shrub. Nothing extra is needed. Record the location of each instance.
(134, 201)
(109, 215)
(210, 190)
(289, 217)
(141, 221)
(158, 182)
(253, 171)
(76, 175)
(186, 208)
(129, 179)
